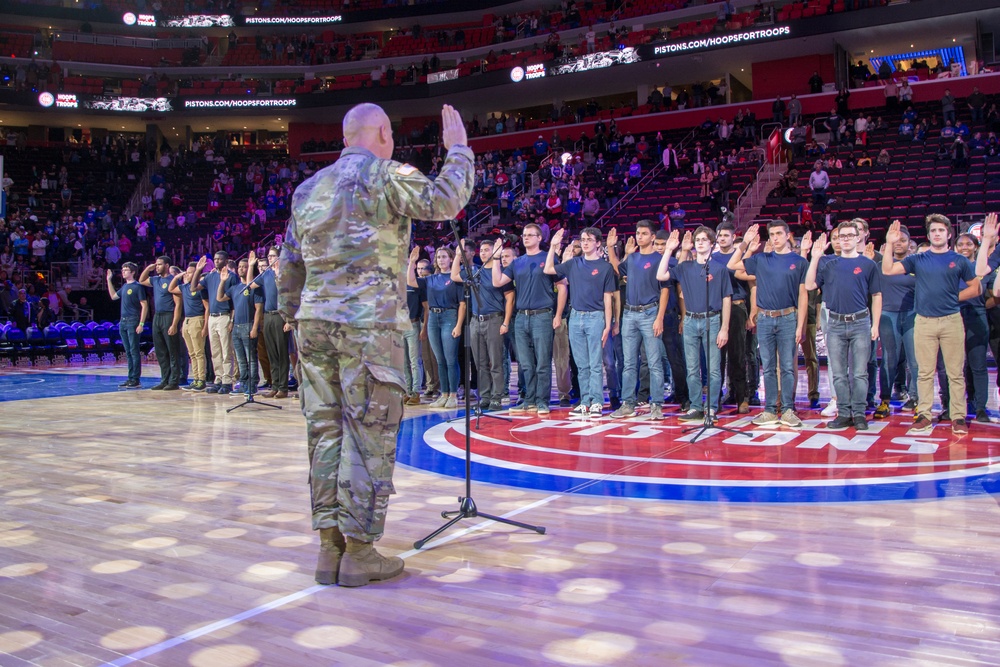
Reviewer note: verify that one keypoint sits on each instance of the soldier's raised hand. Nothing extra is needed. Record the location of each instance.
(452, 128)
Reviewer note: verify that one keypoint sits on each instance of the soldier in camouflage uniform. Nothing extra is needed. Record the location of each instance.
(344, 250)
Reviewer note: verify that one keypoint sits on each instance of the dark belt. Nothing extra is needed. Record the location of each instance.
(218, 314)
(776, 313)
(272, 312)
(702, 316)
(539, 311)
(488, 316)
(441, 310)
(640, 309)
(852, 317)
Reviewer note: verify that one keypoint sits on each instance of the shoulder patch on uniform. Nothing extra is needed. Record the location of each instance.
(406, 170)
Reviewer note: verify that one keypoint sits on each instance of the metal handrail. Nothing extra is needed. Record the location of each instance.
(141, 188)
(628, 196)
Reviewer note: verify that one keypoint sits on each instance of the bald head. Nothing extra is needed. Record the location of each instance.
(367, 126)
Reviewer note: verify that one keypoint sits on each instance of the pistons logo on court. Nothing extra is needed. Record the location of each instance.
(665, 460)
(857, 270)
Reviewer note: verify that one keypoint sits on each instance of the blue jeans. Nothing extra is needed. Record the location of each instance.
(411, 370)
(896, 331)
(977, 338)
(130, 341)
(245, 349)
(585, 330)
(776, 340)
(849, 346)
(694, 346)
(533, 336)
(638, 328)
(439, 328)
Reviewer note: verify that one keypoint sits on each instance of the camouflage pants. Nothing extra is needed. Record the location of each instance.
(352, 397)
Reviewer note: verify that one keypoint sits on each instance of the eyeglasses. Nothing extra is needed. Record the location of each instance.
(848, 236)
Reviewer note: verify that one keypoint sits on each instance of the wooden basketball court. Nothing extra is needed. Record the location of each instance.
(153, 528)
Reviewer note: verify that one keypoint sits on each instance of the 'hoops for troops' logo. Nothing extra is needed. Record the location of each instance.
(644, 459)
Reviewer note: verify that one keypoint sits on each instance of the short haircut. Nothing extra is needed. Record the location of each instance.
(593, 231)
(165, 259)
(131, 266)
(662, 235)
(532, 225)
(849, 224)
(276, 249)
(646, 224)
(861, 224)
(192, 265)
(937, 218)
(223, 254)
(779, 223)
(725, 226)
(486, 242)
(702, 229)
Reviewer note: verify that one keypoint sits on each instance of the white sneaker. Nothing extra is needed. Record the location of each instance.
(789, 418)
(580, 410)
(831, 409)
(451, 403)
(439, 402)
(596, 410)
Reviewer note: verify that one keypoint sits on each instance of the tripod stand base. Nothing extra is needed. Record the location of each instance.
(249, 401)
(709, 425)
(467, 510)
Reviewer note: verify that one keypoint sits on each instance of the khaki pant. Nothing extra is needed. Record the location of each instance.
(221, 341)
(194, 338)
(947, 334)
(560, 357)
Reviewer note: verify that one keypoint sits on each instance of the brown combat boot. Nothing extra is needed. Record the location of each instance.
(331, 549)
(362, 565)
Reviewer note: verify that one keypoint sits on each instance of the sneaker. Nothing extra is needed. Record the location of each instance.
(713, 416)
(133, 384)
(642, 405)
(212, 388)
(564, 403)
(438, 402)
(430, 393)
(414, 399)
(692, 415)
(171, 387)
(982, 417)
(842, 421)
(530, 409)
(883, 410)
(909, 406)
(626, 410)
(655, 412)
(158, 387)
(685, 406)
(451, 403)
(944, 416)
(264, 387)
(580, 410)
(516, 409)
(496, 406)
(225, 389)
(542, 411)
(959, 427)
(190, 387)
(766, 419)
(126, 383)
(789, 418)
(831, 408)
(814, 404)
(922, 424)
(898, 395)
(596, 410)
(860, 423)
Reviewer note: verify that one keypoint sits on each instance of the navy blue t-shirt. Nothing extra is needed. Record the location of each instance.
(532, 287)
(267, 283)
(847, 282)
(897, 293)
(211, 282)
(673, 303)
(244, 302)
(691, 276)
(194, 304)
(939, 278)
(642, 288)
(415, 297)
(741, 289)
(994, 259)
(778, 278)
(493, 300)
(163, 300)
(589, 280)
(442, 292)
(132, 295)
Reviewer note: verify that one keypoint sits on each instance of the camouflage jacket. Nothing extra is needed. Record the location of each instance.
(348, 236)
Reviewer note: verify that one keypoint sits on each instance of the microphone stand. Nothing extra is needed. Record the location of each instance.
(708, 423)
(466, 505)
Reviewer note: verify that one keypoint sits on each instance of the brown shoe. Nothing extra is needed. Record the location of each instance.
(331, 550)
(744, 408)
(269, 394)
(414, 399)
(280, 394)
(959, 427)
(361, 565)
